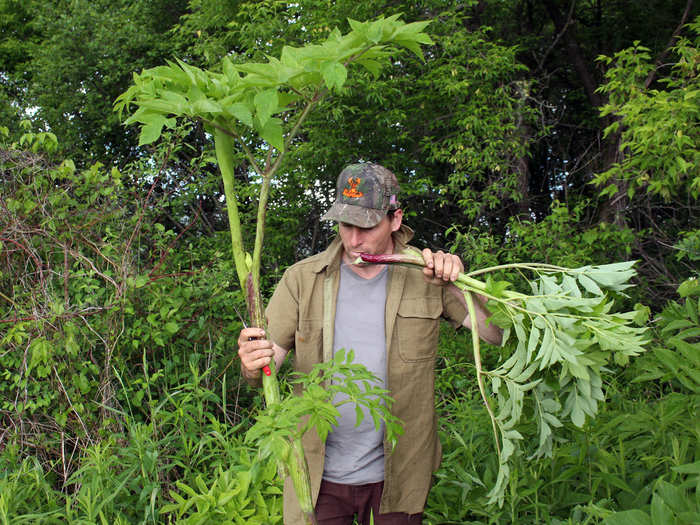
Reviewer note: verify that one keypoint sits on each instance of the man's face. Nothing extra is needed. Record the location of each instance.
(375, 240)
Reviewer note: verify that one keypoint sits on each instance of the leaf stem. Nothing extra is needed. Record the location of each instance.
(524, 266)
(477, 363)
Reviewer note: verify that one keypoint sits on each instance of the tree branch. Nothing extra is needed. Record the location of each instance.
(672, 41)
(565, 28)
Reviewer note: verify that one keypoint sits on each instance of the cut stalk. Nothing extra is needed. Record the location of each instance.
(476, 344)
(271, 389)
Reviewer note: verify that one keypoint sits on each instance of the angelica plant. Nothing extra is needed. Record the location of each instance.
(558, 338)
(240, 105)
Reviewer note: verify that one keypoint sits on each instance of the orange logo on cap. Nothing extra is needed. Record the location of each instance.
(352, 191)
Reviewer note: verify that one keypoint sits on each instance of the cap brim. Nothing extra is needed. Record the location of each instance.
(355, 215)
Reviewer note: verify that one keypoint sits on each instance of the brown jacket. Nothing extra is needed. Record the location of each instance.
(296, 319)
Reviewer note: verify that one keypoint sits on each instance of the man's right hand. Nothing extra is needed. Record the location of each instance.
(255, 351)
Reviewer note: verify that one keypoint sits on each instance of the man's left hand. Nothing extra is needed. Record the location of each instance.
(441, 268)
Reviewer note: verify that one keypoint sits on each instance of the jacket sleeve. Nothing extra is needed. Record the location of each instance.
(453, 310)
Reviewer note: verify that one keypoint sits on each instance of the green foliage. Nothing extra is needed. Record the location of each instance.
(485, 110)
(275, 429)
(676, 362)
(125, 478)
(244, 493)
(613, 464)
(99, 44)
(44, 241)
(27, 494)
(249, 95)
(557, 343)
(563, 238)
(658, 126)
(689, 246)
(83, 291)
(669, 504)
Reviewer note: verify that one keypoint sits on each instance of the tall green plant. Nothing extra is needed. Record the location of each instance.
(244, 104)
(558, 340)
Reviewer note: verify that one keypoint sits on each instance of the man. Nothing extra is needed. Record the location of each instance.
(389, 316)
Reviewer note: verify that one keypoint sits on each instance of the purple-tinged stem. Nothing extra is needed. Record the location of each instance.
(255, 312)
(411, 259)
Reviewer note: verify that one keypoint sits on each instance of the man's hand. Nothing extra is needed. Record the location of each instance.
(441, 268)
(255, 351)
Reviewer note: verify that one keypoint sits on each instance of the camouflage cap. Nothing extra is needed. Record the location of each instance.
(365, 193)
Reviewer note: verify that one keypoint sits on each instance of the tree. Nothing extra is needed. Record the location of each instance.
(80, 58)
(17, 34)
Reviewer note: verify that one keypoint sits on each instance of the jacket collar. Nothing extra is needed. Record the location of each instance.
(330, 258)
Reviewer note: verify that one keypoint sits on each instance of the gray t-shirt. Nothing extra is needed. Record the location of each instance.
(355, 454)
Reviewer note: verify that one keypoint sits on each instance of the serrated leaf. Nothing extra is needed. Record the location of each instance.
(578, 416)
(165, 107)
(266, 103)
(273, 134)
(373, 66)
(151, 132)
(569, 286)
(546, 348)
(552, 419)
(496, 288)
(334, 75)
(412, 46)
(206, 105)
(507, 450)
(374, 32)
(242, 112)
(532, 342)
(359, 415)
(229, 70)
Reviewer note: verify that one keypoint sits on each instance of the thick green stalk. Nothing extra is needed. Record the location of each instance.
(295, 463)
(524, 266)
(299, 472)
(271, 389)
(223, 145)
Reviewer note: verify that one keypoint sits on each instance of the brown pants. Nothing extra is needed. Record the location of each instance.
(339, 505)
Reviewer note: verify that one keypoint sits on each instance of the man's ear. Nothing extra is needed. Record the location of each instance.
(396, 219)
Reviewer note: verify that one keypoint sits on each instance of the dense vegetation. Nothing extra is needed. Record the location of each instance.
(554, 132)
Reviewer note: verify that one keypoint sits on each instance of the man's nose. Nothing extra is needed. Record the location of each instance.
(355, 235)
